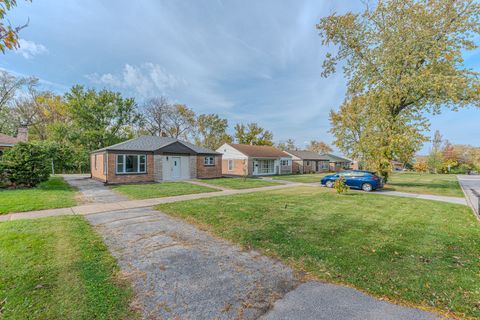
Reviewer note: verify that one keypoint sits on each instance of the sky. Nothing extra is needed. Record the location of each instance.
(248, 61)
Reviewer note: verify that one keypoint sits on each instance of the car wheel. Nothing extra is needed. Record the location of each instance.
(329, 184)
(367, 187)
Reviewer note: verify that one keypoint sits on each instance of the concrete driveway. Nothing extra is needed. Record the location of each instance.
(181, 272)
(471, 187)
(92, 191)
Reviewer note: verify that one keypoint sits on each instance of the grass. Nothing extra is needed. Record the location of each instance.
(239, 183)
(54, 193)
(419, 252)
(305, 178)
(159, 190)
(59, 268)
(426, 183)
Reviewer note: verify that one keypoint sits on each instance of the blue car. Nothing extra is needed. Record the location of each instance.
(356, 179)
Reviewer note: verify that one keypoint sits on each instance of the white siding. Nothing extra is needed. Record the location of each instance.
(230, 153)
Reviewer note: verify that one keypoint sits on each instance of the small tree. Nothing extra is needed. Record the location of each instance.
(340, 185)
(26, 164)
(420, 166)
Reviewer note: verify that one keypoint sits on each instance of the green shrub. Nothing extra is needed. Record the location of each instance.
(24, 165)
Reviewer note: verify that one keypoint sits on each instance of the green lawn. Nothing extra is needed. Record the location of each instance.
(239, 183)
(59, 268)
(421, 252)
(54, 193)
(159, 190)
(427, 183)
(305, 178)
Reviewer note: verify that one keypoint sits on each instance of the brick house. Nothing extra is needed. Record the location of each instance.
(337, 163)
(154, 159)
(308, 162)
(249, 160)
(9, 141)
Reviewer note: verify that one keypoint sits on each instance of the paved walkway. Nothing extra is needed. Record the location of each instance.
(471, 187)
(203, 184)
(179, 271)
(129, 204)
(92, 191)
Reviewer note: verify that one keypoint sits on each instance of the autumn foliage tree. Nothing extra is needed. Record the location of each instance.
(252, 133)
(402, 59)
(211, 131)
(319, 147)
(8, 33)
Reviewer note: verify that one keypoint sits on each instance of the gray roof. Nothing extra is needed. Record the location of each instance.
(153, 143)
(307, 155)
(334, 158)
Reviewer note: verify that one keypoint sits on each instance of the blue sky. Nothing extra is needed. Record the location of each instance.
(249, 61)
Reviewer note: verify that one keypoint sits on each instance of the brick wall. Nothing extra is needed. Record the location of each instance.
(238, 167)
(205, 171)
(113, 178)
(97, 173)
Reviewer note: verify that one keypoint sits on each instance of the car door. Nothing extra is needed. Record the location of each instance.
(349, 179)
(355, 180)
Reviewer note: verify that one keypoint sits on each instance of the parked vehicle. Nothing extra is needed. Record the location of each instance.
(356, 179)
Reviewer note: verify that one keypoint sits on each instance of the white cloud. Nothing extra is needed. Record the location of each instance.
(147, 79)
(28, 49)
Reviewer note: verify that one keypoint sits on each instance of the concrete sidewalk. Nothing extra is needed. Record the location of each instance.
(130, 204)
(455, 200)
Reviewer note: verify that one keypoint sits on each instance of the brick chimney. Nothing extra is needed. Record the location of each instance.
(22, 133)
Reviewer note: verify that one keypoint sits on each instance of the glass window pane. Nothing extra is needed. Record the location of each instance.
(120, 159)
(131, 163)
(142, 163)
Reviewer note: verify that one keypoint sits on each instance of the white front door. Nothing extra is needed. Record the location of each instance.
(176, 168)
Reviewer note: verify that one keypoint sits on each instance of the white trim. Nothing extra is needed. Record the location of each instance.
(206, 160)
(124, 155)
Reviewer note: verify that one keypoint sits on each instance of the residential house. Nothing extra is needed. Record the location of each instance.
(154, 159)
(397, 165)
(308, 162)
(251, 160)
(337, 163)
(9, 141)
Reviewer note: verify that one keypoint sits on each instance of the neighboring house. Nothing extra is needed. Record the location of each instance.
(308, 161)
(153, 159)
(397, 165)
(9, 141)
(337, 163)
(250, 160)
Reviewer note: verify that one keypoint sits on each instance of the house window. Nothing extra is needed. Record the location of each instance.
(131, 163)
(284, 162)
(209, 161)
(308, 163)
(231, 164)
(105, 163)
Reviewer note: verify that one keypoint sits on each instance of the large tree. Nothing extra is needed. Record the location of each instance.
(252, 133)
(289, 144)
(401, 59)
(10, 86)
(435, 158)
(99, 119)
(211, 131)
(155, 115)
(319, 147)
(160, 117)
